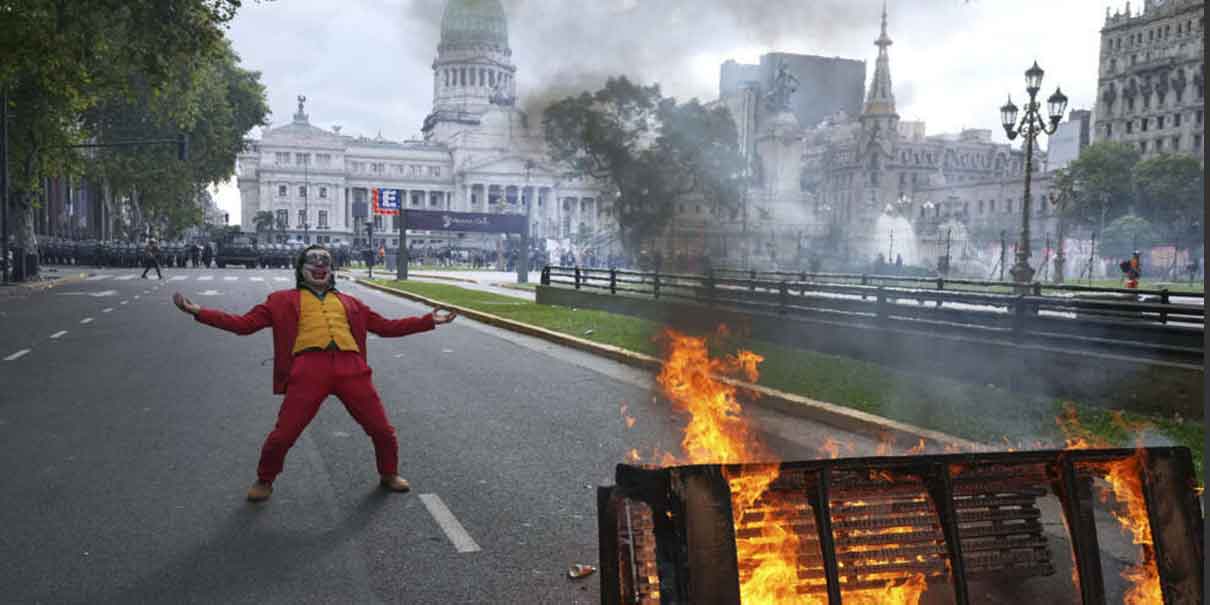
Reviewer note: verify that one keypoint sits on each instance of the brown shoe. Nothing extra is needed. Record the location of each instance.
(395, 483)
(260, 491)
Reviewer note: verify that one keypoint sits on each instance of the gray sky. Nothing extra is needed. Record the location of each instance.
(366, 65)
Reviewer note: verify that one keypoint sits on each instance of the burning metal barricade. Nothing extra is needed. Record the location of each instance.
(890, 529)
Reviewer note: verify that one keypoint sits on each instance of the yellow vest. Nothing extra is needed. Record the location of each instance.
(322, 322)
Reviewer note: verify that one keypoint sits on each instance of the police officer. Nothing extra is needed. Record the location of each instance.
(151, 259)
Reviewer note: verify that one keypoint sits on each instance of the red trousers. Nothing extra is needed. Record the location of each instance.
(313, 377)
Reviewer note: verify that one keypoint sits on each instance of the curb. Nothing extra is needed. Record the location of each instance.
(47, 284)
(840, 417)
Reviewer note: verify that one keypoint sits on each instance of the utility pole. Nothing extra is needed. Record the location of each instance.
(1003, 250)
(949, 233)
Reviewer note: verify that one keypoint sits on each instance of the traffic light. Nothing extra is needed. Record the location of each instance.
(182, 147)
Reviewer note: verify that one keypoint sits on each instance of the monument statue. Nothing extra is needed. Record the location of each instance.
(784, 85)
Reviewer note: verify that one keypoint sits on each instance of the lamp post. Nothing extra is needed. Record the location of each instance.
(1031, 125)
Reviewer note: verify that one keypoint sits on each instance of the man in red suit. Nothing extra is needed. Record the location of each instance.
(319, 349)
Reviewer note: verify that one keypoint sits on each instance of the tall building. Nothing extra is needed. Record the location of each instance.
(1069, 139)
(1152, 78)
(479, 153)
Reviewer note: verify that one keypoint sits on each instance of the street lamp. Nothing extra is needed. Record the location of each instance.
(1030, 126)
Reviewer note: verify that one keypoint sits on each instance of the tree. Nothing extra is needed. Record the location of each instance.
(650, 149)
(57, 59)
(1103, 179)
(1171, 193)
(1127, 234)
(264, 221)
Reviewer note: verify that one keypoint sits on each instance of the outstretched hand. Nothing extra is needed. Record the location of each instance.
(441, 315)
(185, 304)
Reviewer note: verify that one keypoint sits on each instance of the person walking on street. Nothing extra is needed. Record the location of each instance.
(207, 254)
(151, 259)
(319, 349)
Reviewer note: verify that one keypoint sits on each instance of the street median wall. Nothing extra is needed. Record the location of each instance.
(1106, 380)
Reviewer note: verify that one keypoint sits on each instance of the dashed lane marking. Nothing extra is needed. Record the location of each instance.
(206, 278)
(99, 277)
(58, 334)
(107, 310)
(449, 524)
(124, 277)
(257, 278)
(230, 278)
(136, 297)
(86, 320)
(281, 279)
(177, 277)
(124, 302)
(16, 355)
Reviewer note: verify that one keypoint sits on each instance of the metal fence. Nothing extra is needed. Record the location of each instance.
(1144, 322)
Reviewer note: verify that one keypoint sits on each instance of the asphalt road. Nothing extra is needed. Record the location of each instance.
(127, 442)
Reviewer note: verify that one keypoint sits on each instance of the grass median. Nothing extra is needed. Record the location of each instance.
(982, 413)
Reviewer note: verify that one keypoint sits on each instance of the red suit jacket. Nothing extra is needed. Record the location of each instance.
(281, 311)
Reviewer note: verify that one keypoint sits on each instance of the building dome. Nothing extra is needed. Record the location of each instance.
(469, 22)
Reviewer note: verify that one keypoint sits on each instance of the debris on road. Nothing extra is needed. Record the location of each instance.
(580, 570)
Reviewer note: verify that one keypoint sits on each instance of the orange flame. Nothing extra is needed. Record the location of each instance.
(1125, 484)
(718, 432)
(1125, 478)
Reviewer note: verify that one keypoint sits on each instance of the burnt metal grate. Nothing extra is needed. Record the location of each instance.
(667, 536)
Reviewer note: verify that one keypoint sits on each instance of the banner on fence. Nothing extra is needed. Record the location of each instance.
(464, 221)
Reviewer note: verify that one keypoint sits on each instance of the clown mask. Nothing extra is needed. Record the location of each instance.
(317, 270)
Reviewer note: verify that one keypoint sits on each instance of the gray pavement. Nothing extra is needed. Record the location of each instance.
(127, 443)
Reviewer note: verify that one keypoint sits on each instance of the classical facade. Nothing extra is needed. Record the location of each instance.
(1152, 78)
(479, 153)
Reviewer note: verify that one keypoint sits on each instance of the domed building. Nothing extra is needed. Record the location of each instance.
(479, 153)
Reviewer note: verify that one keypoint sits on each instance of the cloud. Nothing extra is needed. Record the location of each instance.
(367, 64)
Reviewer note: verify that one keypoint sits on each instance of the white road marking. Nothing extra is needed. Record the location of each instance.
(99, 277)
(205, 278)
(86, 320)
(257, 278)
(449, 524)
(281, 279)
(136, 297)
(125, 301)
(58, 334)
(124, 277)
(230, 278)
(16, 355)
(107, 310)
(210, 293)
(177, 278)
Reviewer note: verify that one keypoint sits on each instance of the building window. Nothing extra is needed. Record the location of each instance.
(302, 158)
(1199, 117)
(1109, 131)
(323, 193)
(302, 218)
(1176, 120)
(435, 171)
(281, 191)
(435, 199)
(378, 222)
(1197, 142)
(980, 206)
(1008, 206)
(281, 159)
(378, 167)
(1145, 122)
(283, 219)
(1143, 146)
(323, 219)
(1130, 127)
(395, 223)
(1176, 143)
(1159, 144)
(415, 195)
(323, 159)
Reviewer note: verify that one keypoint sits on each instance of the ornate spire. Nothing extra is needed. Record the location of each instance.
(881, 99)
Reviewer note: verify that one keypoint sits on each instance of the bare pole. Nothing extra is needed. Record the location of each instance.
(4, 184)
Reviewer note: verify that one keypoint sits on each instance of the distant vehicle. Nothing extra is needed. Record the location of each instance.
(237, 250)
